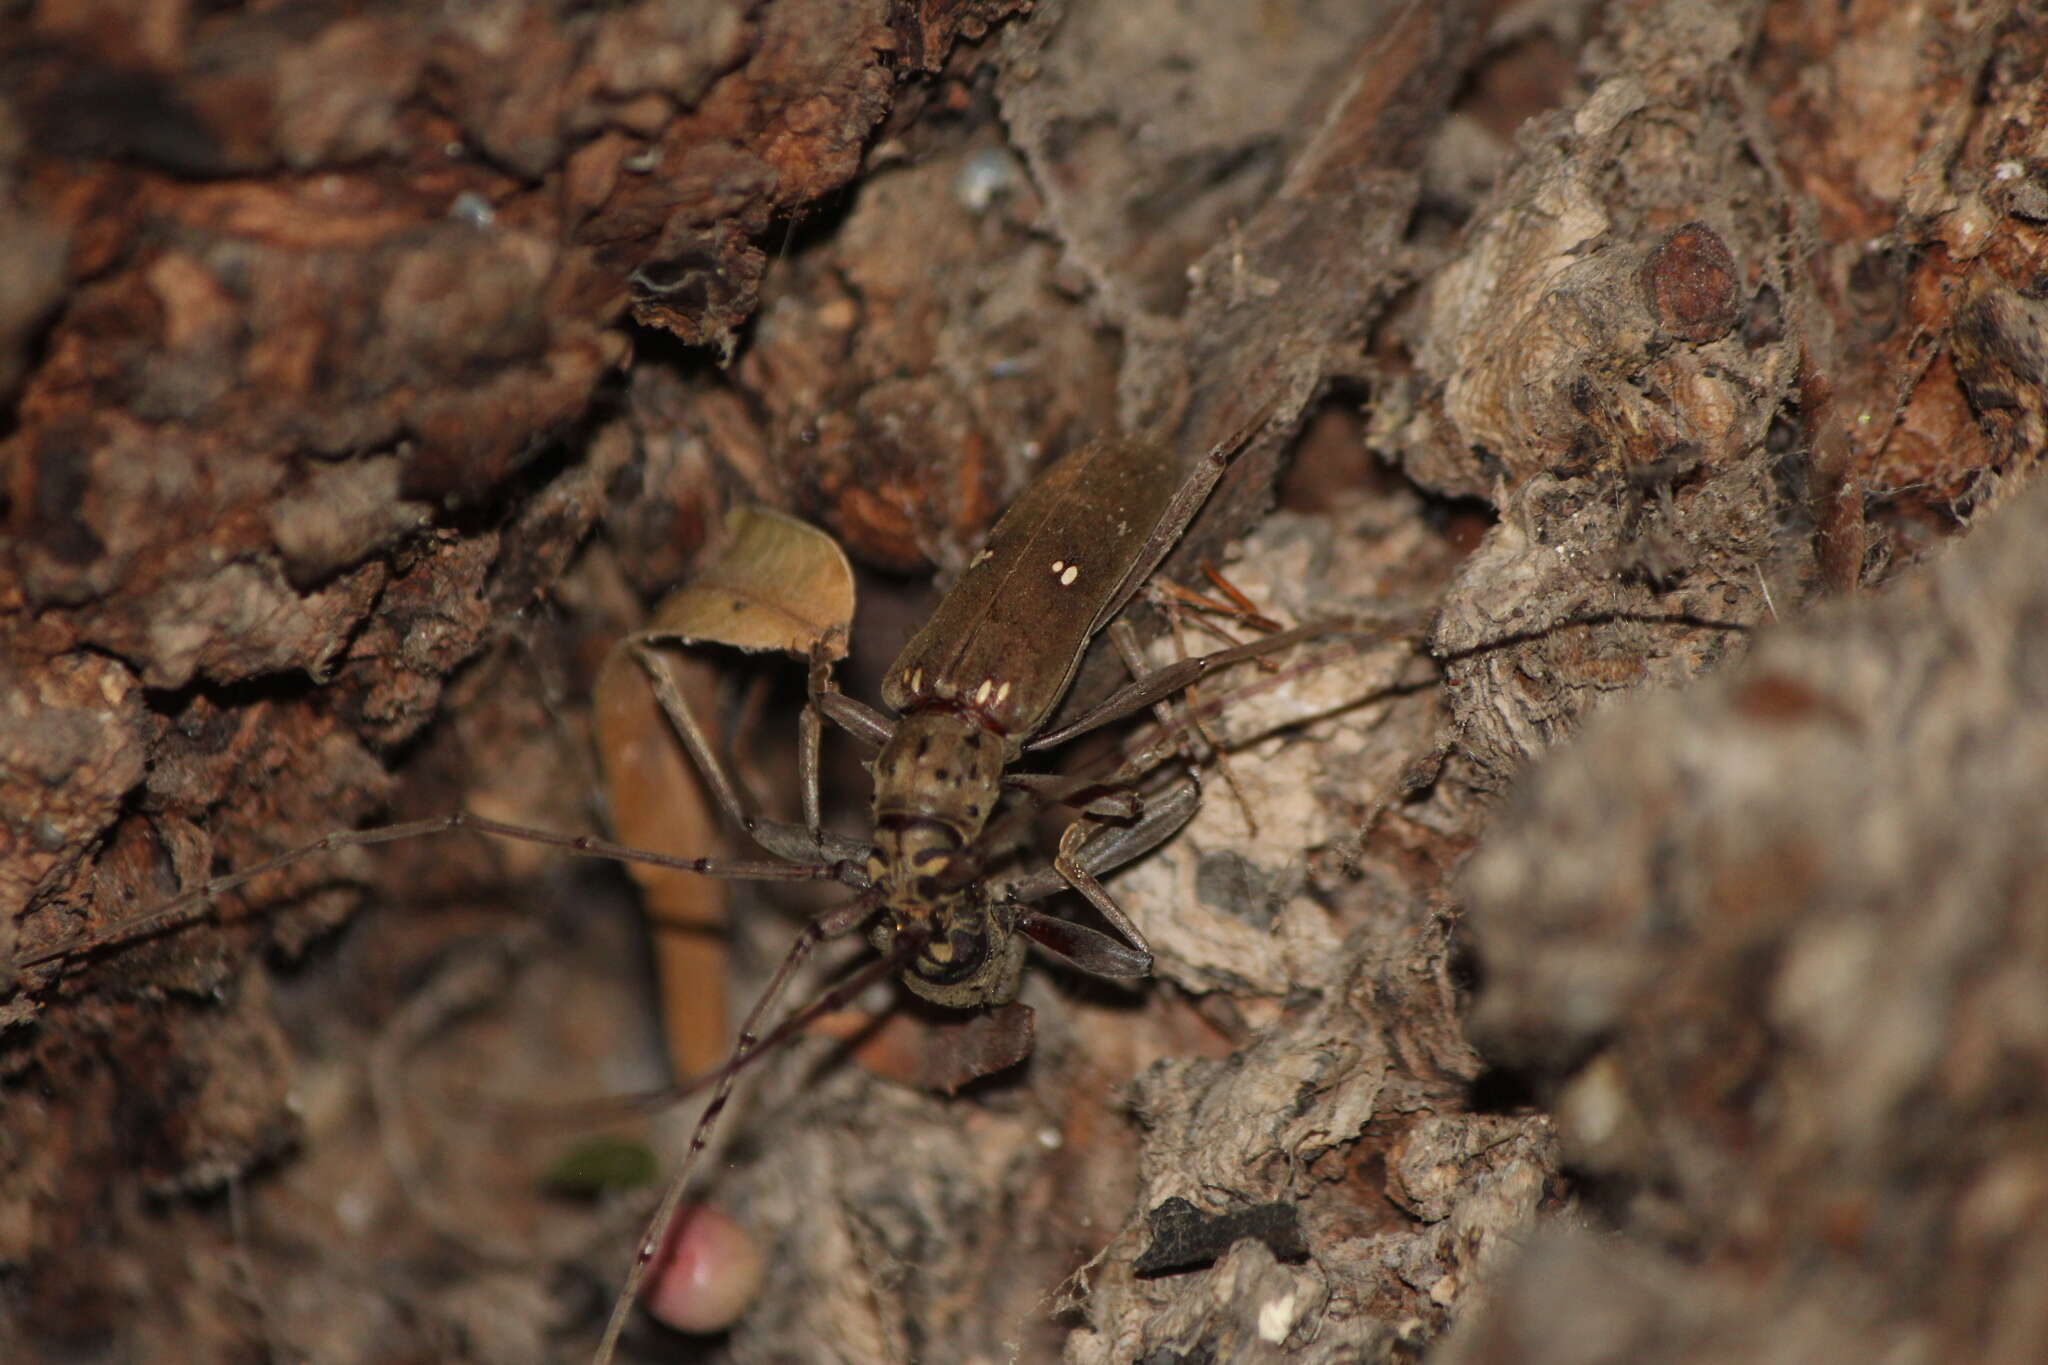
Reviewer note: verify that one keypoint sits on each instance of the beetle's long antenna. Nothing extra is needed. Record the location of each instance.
(838, 920)
(190, 907)
(608, 1108)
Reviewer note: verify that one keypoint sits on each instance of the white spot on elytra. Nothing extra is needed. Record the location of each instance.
(1002, 694)
(916, 680)
(979, 556)
(981, 692)
(1065, 572)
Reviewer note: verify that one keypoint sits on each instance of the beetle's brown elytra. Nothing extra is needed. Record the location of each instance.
(1053, 571)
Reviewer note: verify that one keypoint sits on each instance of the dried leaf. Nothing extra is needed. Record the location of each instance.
(775, 583)
(771, 583)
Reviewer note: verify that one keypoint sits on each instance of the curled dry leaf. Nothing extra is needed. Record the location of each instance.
(770, 583)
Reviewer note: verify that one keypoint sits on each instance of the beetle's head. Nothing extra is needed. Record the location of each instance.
(967, 951)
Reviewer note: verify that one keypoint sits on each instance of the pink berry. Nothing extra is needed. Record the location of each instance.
(708, 1273)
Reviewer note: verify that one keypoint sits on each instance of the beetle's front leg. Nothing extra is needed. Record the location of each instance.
(824, 699)
(1068, 864)
(810, 846)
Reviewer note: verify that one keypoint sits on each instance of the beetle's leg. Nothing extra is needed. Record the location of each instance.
(1126, 641)
(1112, 847)
(1079, 864)
(1112, 798)
(825, 700)
(837, 921)
(810, 734)
(1065, 789)
(1077, 875)
(858, 719)
(1240, 606)
(862, 721)
(799, 844)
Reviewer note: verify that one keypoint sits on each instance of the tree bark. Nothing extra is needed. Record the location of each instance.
(368, 371)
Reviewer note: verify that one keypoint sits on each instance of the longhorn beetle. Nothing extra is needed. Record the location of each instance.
(972, 690)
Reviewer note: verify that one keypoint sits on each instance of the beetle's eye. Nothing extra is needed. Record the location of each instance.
(956, 953)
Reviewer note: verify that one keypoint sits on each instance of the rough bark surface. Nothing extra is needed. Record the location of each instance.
(1775, 946)
(369, 369)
